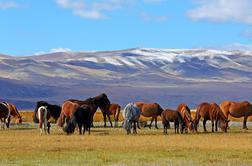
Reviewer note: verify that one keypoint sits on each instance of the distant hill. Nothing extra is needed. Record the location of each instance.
(167, 76)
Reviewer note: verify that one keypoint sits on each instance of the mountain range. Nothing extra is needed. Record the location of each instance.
(166, 76)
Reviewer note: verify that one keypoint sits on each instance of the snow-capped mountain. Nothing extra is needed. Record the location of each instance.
(77, 74)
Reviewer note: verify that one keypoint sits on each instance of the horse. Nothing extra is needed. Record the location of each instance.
(43, 116)
(150, 110)
(14, 113)
(131, 115)
(169, 115)
(68, 108)
(5, 114)
(237, 110)
(211, 111)
(185, 112)
(81, 117)
(54, 110)
(114, 109)
(100, 101)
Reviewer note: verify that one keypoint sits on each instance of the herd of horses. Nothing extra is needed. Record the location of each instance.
(79, 114)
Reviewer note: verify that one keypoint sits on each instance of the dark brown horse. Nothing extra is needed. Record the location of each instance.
(237, 110)
(100, 101)
(169, 115)
(4, 114)
(54, 110)
(114, 110)
(185, 112)
(211, 112)
(150, 110)
(68, 108)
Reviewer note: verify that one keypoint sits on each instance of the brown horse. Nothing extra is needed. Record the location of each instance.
(4, 114)
(67, 110)
(185, 112)
(237, 110)
(169, 115)
(114, 110)
(211, 112)
(100, 101)
(150, 110)
(14, 113)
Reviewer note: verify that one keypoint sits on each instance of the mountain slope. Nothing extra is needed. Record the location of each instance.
(83, 74)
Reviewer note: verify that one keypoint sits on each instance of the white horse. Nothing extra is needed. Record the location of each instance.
(42, 116)
(131, 115)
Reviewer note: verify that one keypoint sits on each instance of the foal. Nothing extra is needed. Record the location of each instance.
(43, 116)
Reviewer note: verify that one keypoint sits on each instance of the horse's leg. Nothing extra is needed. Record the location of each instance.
(204, 125)
(245, 122)
(227, 119)
(104, 118)
(109, 120)
(134, 127)
(212, 120)
(84, 128)
(156, 123)
(8, 122)
(48, 127)
(138, 126)
(80, 125)
(151, 122)
(216, 124)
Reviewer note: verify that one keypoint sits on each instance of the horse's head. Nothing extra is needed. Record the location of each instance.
(127, 126)
(69, 129)
(186, 113)
(19, 120)
(223, 125)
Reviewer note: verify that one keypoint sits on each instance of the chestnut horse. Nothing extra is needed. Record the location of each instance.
(53, 109)
(68, 108)
(237, 110)
(185, 112)
(13, 113)
(100, 101)
(4, 114)
(114, 109)
(150, 110)
(168, 116)
(211, 112)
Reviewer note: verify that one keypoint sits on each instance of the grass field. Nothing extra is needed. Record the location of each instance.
(22, 145)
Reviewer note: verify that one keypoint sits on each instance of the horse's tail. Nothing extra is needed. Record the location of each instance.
(117, 113)
(60, 121)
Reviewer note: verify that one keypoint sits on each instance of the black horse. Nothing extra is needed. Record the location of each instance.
(81, 117)
(53, 109)
(100, 101)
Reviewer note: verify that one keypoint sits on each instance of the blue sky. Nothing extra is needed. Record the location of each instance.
(31, 26)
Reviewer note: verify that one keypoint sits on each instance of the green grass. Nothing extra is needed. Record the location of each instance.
(22, 145)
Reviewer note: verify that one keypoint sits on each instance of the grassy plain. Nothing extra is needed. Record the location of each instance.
(22, 145)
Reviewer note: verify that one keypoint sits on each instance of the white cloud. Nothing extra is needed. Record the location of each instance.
(94, 9)
(8, 5)
(222, 11)
(98, 9)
